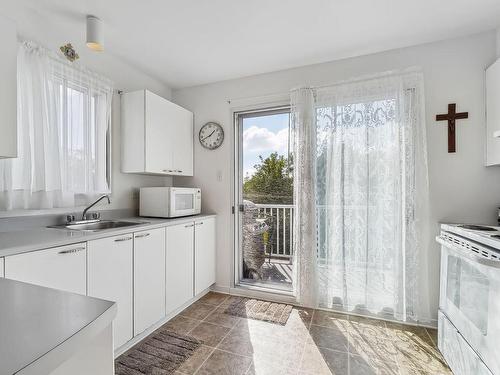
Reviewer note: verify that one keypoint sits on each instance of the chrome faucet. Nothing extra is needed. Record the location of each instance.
(84, 214)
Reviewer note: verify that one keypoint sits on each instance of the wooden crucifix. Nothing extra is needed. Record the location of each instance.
(451, 116)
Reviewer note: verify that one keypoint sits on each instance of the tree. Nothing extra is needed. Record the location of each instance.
(272, 181)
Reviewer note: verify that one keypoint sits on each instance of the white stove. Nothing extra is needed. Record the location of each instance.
(469, 303)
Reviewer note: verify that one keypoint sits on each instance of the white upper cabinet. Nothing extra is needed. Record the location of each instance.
(493, 114)
(8, 89)
(157, 135)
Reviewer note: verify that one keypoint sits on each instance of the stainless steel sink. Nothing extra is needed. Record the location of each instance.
(99, 225)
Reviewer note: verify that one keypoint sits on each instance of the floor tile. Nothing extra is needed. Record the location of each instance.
(218, 317)
(329, 338)
(362, 366)
(329, 319)
(198, 311)
(209, 334)
(196, 360)
(321, 361)
(224, 363)
(213, 298)
(180, 324)
(268, 368)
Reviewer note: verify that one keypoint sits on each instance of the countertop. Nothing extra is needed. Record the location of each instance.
(22, 241)
(41, 326)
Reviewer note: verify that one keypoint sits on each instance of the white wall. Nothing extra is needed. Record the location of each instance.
(461, 188)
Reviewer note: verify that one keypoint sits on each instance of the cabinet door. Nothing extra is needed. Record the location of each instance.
(8, 89)
(159, 137)
(62, 268)
(204, 255)
(1, 267)
(179, 260)
(182, 131)
(149, 278)
(110, 278)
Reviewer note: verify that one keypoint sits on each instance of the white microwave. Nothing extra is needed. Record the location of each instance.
(169, 201)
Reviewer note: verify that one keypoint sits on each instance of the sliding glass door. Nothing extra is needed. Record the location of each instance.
(264, 199)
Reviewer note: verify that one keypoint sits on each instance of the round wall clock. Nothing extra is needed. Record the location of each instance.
(211, 135)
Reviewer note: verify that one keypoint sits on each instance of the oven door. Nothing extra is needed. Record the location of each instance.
(470, 298)
(182, 202)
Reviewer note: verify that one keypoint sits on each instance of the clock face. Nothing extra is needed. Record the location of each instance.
(211, 135)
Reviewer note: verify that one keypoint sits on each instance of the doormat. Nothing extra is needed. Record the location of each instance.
(277, 313)
(161, 353)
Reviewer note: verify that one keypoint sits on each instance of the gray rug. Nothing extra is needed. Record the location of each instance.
(277, 313)
(161, 353)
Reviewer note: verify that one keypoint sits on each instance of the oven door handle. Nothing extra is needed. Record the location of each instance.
(469, 254)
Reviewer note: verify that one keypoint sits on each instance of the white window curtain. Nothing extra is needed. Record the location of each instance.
(370, 194)
(64, 113)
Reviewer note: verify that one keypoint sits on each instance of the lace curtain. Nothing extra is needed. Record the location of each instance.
(370, 195)
(64, 114)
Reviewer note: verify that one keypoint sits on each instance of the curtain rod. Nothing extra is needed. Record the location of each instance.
(371, 77)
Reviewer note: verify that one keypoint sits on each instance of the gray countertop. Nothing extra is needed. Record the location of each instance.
(34, 321)
(21, 241)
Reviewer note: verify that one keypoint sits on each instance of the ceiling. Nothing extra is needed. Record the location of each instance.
(192, 42)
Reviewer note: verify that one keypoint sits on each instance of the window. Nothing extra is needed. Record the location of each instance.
(64, 114)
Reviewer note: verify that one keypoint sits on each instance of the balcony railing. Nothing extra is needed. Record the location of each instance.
(280, 219)
(280, 243)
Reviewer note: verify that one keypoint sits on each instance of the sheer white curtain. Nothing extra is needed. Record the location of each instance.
(64, 113)
(371, 195)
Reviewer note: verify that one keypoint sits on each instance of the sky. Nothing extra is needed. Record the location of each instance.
(262, 136)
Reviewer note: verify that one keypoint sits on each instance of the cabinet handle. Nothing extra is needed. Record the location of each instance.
(188, 226)
(123, 239)
(142, 235)
(71, 251)
(167, 170)
(178, 171)
(200, 223)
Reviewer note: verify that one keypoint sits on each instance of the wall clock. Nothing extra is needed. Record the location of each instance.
(211, 135)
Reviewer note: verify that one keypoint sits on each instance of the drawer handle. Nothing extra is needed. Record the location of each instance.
(188, 226)
(71, 251)
(123, 239)
(142, 235)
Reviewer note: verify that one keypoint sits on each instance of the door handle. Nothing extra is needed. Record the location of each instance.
(71, 251)
(123, 239)
(142, 235)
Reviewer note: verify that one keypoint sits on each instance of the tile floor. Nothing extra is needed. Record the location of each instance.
(312, 342)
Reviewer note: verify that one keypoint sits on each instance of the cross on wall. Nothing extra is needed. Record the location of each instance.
(451, 116)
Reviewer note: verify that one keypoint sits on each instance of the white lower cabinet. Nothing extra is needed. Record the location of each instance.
(204, 254)
(110, 275)
(149, 278)
(1, 267)
(62, 268)
(179, 265)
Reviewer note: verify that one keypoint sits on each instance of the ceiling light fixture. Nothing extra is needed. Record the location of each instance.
(94, 34)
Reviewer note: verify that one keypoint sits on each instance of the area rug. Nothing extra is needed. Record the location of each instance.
(277, 313)
(161, 353)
